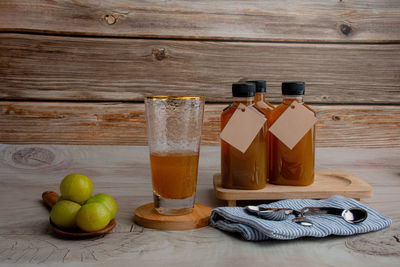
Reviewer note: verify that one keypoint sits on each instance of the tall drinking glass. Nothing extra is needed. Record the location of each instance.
(174, 131)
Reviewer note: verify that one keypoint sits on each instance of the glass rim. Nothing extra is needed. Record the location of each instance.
(162, 97)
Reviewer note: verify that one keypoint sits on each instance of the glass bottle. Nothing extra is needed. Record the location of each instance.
(260, 97)
(243, 170)
(262, 105)
(292, 166)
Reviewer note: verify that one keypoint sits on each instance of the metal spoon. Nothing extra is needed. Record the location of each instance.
(278, 214)
(352, 215)
(274, 214)
(300, 219)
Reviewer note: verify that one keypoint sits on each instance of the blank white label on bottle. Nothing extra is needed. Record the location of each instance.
(293, 124)
(243, 127)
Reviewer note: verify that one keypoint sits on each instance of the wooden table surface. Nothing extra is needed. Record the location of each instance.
(124, 172)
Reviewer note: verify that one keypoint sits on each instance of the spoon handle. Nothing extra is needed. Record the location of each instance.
(321, 210)
(50, 198)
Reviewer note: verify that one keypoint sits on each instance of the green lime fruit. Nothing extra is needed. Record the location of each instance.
(76, 187)
(107, 201)
(93, 217)
(64, 212)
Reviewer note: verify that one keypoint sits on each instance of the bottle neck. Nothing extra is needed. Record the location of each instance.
(259, 97)
(243, 100)
(288, 99)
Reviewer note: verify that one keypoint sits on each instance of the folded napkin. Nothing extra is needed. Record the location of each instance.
(236, 219)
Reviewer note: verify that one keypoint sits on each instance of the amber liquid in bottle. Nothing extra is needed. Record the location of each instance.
(292, 166)
(243, 170)
(261, 104)
(266, 108)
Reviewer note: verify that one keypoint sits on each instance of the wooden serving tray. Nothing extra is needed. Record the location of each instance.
(326, 184)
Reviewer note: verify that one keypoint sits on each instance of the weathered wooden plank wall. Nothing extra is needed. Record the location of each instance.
(75, 72)
(72, 68)
(125, 123)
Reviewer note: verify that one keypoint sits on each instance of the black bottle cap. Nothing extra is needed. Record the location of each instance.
(293, 88)
(243, 89)
(261, 86)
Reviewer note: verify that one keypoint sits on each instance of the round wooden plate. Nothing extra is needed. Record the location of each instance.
(79, 234)
(148, 217)
(50, 199)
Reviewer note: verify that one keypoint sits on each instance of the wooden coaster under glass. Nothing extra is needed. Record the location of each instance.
(148, 217)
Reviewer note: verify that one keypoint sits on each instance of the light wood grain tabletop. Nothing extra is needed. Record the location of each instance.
(124, 172)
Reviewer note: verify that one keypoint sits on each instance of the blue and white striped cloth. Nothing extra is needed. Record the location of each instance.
(236, 219)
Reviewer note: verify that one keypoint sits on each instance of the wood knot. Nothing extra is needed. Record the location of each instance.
(345, 29)
(110, 19)
(159, 53)
(382, 243)
(33, 157)
(336, 118)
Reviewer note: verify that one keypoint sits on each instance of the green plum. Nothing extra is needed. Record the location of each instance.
(76, 187)
(64, 212)
(107, 201)
(93, 217)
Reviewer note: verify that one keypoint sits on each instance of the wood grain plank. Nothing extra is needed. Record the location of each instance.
(66, 68)
(124, 124)
(311, 20)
